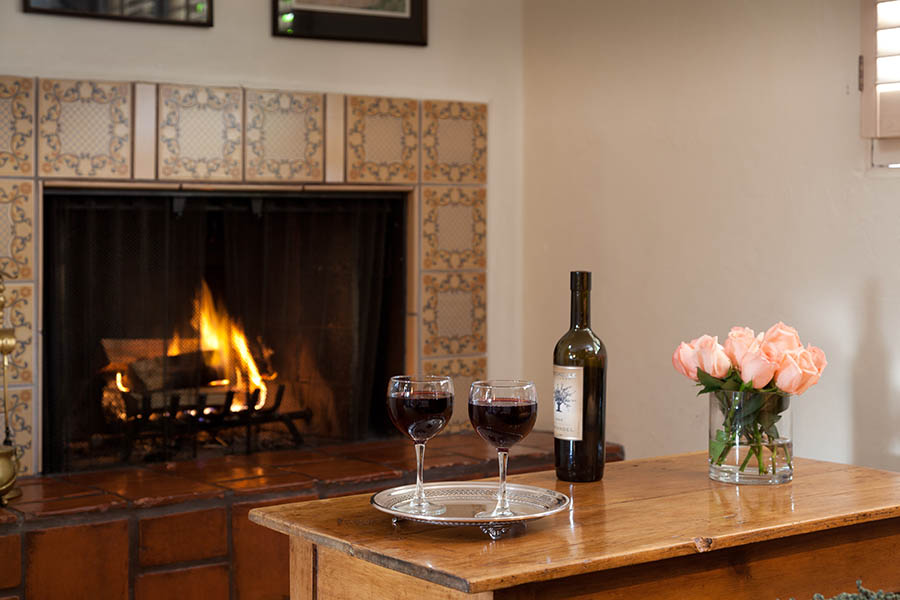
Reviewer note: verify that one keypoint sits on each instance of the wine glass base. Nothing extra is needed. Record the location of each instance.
(429, 509)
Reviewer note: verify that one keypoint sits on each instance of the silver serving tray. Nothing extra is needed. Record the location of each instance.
(465, 499)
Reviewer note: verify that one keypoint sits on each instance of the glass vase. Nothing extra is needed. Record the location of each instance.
(750, 437)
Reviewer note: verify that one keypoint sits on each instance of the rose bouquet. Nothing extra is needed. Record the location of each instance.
(750, 380)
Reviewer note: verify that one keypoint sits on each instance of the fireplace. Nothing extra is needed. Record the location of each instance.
(178, 320)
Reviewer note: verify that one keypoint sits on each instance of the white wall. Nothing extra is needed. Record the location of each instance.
(703, 159)
(474, 53)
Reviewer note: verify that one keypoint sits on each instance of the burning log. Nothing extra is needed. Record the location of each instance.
(188, 370)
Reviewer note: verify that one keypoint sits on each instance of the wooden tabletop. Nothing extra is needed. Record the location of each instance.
(642, 510)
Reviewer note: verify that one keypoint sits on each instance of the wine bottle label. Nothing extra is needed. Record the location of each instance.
(568, 399)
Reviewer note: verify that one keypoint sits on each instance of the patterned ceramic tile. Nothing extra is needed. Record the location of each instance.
(284, 136)
(16, 126)
(19, 314)
(200, 133)
(454, 142)
(463, 371)
(453, 228)
(17, 228)
(382, 140)
(84, 128)
(20, 422)
(453, 313)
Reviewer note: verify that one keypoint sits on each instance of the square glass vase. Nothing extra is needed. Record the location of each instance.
(750, 437)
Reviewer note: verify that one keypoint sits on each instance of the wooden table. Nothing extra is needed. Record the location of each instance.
(656, 527)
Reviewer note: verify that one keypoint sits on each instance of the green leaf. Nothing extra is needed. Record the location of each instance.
(710, 383)
(717, 446)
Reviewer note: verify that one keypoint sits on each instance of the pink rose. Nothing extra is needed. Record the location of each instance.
(740, 339)
(711, 356)
(685, 360)
(818, 357)
(796, 372)
(784, 337)
(759, 364)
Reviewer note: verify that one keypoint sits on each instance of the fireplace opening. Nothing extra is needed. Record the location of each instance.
(178, 324)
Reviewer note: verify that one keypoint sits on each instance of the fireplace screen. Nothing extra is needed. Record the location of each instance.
(182, 321)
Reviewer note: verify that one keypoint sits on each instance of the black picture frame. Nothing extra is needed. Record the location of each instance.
(326, 25)
(30, 6)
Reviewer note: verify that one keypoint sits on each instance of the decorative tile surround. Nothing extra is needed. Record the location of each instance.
(285, 135)
(200, 133)
(382, 140)
(453, 313)
(17, 261)
(454, 142)
(85, 130)
(16, 126)
(453, 228)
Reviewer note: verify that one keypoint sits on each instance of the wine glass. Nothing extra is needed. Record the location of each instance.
(420, 407)
(502, 412)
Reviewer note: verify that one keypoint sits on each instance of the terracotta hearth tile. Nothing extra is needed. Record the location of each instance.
(11, 562)
(454, 310)
(17, 214)
(354, 449)
(200, 134)
(454, 142)
(82, 561)
(403, 457)
(463, 371)
(286, 457)
(146, 488)
(484, 451)
(85, 128)
(270, 483)
(261, 556)
(193, 535)
(69, 506)
(344, 470)
(382, 140)
(217, 472)
(285, 138)
(196, 583)
(16, 126)
(7, 517)
(35, 489)
(453, 228)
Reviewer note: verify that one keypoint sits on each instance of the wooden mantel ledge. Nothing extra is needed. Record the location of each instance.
(643, 510)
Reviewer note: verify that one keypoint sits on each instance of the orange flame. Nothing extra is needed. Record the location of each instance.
(224, 338)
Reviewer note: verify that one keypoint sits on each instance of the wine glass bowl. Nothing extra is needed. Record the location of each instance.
(420, 407)
(503, 413)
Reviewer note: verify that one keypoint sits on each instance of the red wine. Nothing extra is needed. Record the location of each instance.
(421, 416)
(503, 422)
(579, 392)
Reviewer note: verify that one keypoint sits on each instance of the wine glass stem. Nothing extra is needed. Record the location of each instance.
(420, 468)
(502, 501)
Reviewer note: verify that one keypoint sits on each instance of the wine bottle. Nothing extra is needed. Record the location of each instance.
(579, 392)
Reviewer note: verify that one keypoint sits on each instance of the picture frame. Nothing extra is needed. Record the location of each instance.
(197, 13)
(402, 22)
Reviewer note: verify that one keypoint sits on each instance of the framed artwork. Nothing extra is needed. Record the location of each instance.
(382, 21)
(198, 13)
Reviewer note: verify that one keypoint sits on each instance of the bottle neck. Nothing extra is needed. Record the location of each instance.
(581, 310)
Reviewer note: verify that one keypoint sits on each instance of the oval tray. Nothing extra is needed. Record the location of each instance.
(465, 499)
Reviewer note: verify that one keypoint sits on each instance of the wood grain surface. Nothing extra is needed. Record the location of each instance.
(642, 511)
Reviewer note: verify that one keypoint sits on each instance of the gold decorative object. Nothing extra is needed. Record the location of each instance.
(9, 464)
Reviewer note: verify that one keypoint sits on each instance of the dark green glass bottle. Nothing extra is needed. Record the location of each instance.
(579, 392)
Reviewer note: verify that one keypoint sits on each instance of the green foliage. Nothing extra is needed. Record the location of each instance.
(863, 594)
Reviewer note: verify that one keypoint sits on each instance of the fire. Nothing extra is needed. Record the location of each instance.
(224, 345)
